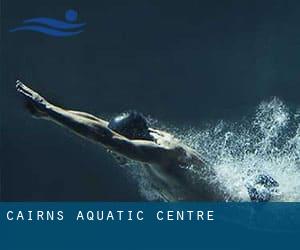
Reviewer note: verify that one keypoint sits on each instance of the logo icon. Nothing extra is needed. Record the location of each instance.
(53, 27)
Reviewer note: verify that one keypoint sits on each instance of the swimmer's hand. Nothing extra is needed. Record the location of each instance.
(35, 103)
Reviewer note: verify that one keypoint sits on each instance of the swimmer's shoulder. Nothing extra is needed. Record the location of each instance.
(185, 155)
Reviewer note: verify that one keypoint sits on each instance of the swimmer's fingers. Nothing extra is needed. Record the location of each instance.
(154, 135)
(37, 102)
(161, 133)
(154, 130)
(24, 90)
(28, 93)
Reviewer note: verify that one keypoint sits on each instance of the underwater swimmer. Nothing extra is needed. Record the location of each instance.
(128, 135)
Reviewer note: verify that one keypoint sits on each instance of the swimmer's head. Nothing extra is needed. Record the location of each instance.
(132, 125)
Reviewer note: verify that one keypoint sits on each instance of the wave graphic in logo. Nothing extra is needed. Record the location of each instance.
(53, 27)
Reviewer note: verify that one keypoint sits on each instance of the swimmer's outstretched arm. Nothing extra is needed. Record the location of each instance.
(95, 129)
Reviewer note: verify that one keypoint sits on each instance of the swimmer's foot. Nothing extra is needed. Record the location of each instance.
(34, 103)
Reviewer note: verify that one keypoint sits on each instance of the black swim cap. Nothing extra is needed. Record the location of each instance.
(132, 125)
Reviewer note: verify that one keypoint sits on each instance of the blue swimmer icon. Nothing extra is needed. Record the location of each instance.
(53, 27)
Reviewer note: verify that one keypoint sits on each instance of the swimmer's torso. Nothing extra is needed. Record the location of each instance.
(177, 179)
(180, 183)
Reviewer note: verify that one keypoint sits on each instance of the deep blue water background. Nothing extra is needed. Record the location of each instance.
(180, 62)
